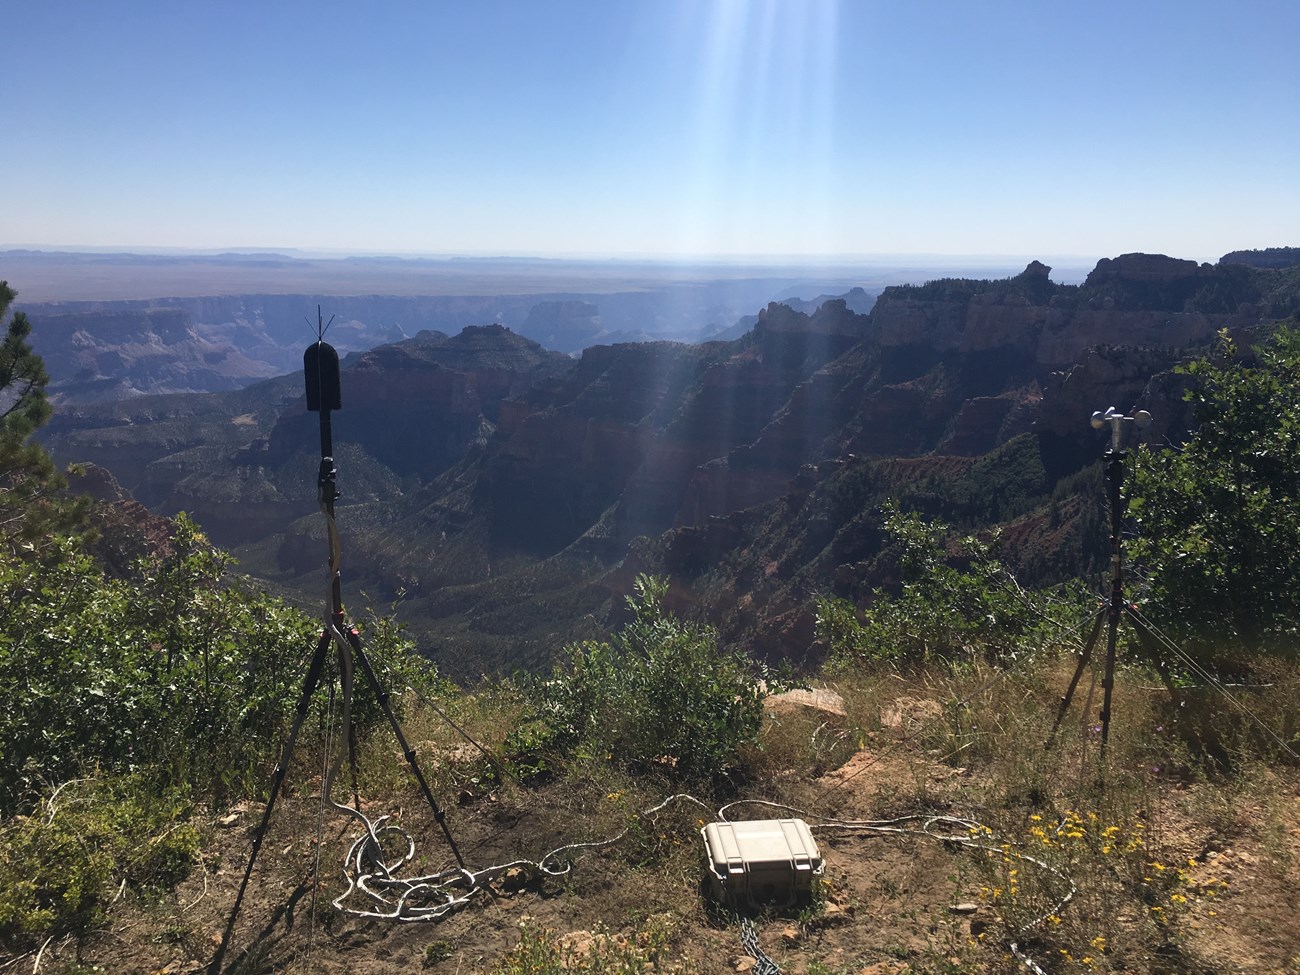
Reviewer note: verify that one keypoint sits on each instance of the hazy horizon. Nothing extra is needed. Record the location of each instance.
(115, 274)
(765, 260)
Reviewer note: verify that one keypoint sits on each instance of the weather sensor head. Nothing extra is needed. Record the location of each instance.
(1141, 419)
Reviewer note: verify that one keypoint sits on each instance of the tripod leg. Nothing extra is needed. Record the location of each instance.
(1084, 656)
(345, 672)
(309, 686)
(408, 752)
(1108, 685)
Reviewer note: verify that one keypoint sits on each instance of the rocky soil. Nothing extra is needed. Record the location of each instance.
(890, 904)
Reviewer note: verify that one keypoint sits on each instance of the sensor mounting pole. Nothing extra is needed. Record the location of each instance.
(1115, 607)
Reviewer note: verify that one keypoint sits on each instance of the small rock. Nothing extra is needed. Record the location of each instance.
(817, 699)
(579, 943)
(745, 964)
(884, 968)
(514, 879)
(965, 907)
(790, 935)
(225, 822)
(910, 712)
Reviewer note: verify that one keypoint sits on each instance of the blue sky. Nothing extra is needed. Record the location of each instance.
(654, 127)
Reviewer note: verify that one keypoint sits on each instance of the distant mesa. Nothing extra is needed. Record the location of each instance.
(1269, 257)
(1142, 268)
(566, 326)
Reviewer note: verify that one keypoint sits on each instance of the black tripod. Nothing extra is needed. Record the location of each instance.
(1116, 607)
(321, 366)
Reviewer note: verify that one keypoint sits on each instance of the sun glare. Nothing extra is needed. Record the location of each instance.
(763, 136)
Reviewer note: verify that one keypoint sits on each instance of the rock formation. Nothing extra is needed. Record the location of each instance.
(482, 471)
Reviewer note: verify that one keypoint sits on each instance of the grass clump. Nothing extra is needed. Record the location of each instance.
(541, 951)
(1127, 896)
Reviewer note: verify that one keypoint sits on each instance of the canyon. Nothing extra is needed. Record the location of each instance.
(508, 494)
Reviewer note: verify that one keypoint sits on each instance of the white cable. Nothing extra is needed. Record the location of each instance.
(433, 896)
(430, 897)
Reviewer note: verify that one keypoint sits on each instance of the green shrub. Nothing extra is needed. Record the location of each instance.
(945, 610)
(88, 839)
(1220, 517)
(174, 674)
(181, 673)
(660, 690)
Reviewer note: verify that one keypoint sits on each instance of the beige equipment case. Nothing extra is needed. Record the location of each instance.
(762, 863)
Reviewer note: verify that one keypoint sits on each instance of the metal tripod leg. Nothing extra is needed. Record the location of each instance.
(345, 673)
(310, 683)
(1084, 656)
(381, 693)
(1108, 682)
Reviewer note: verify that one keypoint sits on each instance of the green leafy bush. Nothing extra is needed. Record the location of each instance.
(1220, 517)
(182, 672)
(942, 610)
(175, 674)
(660, 690)
(129, 699)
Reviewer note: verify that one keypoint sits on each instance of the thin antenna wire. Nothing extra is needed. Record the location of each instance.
(1168, 643)
(319, 329)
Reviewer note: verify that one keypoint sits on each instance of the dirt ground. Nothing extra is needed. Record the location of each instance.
(891, 904)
